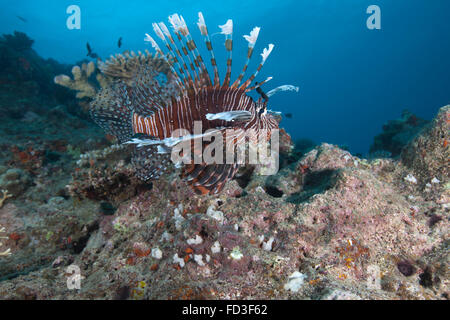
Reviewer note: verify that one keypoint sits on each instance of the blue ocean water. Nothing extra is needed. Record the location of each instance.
(351, 79)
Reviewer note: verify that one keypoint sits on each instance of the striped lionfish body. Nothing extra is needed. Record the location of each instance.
(156, 106)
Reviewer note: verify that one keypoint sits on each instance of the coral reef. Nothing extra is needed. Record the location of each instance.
(428, 155)
(25, 74)
(396, 135)
(18, 41)
(327, 226)
(15, 181)
(80, 81)
(105, 174)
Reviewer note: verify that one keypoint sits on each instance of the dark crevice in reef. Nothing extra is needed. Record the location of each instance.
(273, 191)
(314, 183)
(244, 177)
(426, 278)
(79, 244)
(34, 268)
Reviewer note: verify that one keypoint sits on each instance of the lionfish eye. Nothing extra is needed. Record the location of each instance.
(261, 108)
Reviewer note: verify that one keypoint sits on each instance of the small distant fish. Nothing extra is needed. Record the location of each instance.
(90, 53)
(288, 115)
(119, 43)
(89, 49)
(22, 18)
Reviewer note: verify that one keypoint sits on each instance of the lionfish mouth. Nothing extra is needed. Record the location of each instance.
(183, 115)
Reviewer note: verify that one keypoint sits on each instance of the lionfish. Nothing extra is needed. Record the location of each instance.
(154, 107)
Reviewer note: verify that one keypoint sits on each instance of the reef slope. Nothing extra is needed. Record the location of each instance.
(328, 226)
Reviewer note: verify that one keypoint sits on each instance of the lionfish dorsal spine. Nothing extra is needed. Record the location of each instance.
(227, 30)
(251, 45)
(258, 84)
(181, 31)
(265, 54)
(193, 67)
(155, 46)
(161, 30)
(203, 75)
(204, 31)
(198, 67)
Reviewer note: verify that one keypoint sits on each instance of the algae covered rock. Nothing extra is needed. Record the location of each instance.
(428, 155)
(16, 181)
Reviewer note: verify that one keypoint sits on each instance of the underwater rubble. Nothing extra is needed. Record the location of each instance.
(328, 225)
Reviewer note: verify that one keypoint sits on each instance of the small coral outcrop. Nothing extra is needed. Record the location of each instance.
(6, 252)
(124, 66)
(15, 180)
(5, 195)
(89, 78)
(105, 174)
(80, 81)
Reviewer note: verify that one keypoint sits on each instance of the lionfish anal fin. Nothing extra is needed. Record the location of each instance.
(209, 178)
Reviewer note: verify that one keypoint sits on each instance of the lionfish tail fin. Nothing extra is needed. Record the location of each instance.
(139, 84)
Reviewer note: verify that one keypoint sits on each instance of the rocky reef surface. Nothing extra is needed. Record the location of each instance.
(328, 225)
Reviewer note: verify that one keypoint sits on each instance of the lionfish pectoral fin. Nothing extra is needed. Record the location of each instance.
(238, 115)
(142, 140)
(161, 149)
(111, 109)
(149, 163)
